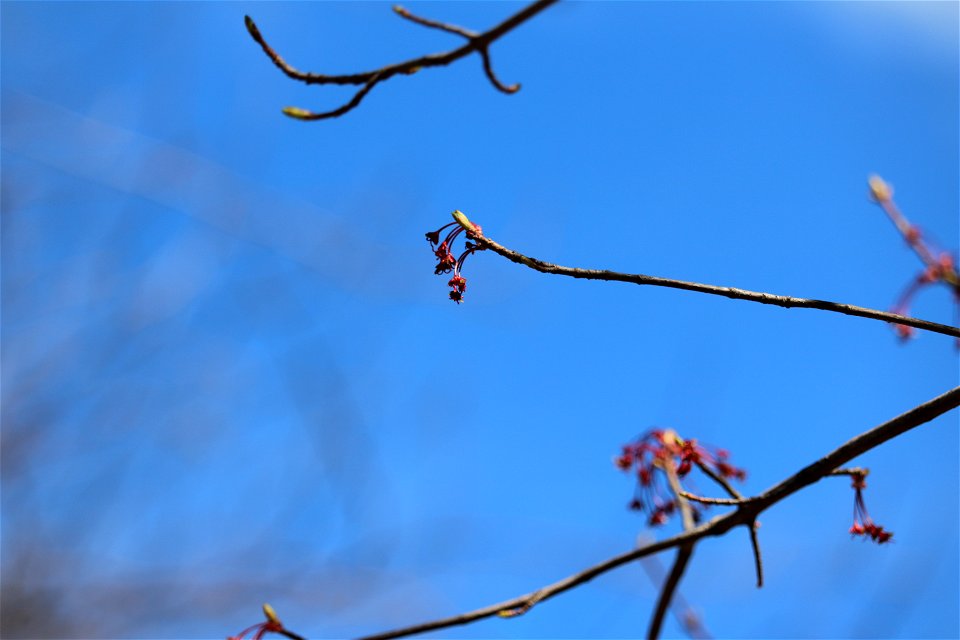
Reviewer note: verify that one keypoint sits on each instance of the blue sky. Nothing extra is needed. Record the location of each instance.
(230, 375)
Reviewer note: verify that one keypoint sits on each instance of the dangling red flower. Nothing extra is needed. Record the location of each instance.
(648, 455)
(446, 262)
(863, 525)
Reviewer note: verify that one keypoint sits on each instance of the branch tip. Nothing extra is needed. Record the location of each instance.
(298, 113)
(879, 189)
(270, 613)
(463, 220)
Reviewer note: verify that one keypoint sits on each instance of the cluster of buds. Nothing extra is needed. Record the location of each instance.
(446, 261)
(257, 631)
(939, 265)
(652, 453)
(863, 525)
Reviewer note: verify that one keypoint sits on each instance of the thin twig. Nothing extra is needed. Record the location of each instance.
(492, 76)
(727, 292)
(720, 480)
(685, 614)
(746, 513)
(684, 553)
(435, 24)
(755, 545)
(850, 471)
(479, 42)
(736, 498)
(304, 114)
(706, 500)
(907, 230)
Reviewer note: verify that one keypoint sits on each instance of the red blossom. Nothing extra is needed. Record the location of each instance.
(649, 455)
(863, 525)
(446, 261)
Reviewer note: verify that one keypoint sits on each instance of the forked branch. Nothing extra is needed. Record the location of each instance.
(745, 515)
(475, 42)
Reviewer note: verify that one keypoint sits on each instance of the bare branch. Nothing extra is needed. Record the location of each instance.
(746, 514)
(706, 500)
(492, 77)
(684, 553)
(755, 545)
(479, 42)
(685, 614)
(720, 480)
(736, 498)
(434, 24)
(727, 292)
(303, 114)
(850, 471)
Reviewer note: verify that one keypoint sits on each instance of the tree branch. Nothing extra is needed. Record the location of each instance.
(727, 292)
(684, 553)
(479, 42)
(746, 514)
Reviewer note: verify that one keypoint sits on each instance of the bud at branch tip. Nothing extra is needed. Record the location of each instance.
(463, 220)
(880, 190)
(270, 613)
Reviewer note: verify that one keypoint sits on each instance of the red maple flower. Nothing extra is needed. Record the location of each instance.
(446, 262)
(651, 452)
(863, 524)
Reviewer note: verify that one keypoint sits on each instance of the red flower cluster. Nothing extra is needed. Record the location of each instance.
(272, 623)
(939, 266)
(647, 457)
(446, 262)
(863, 525)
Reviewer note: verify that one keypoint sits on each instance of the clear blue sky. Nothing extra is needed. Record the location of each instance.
(230, 375)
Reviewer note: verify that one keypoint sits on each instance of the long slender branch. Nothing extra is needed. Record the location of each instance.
(746, 513)
(479, 42)
(727, 292)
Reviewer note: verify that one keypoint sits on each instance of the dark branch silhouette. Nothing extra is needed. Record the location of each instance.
(479, 42)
